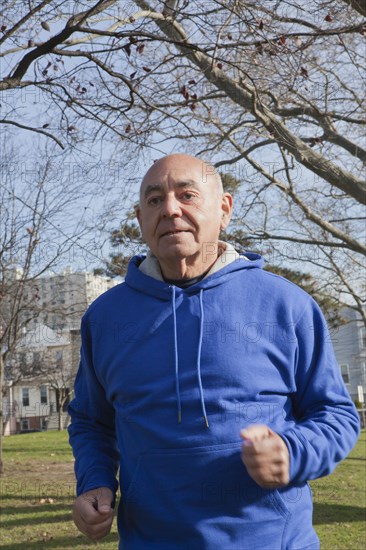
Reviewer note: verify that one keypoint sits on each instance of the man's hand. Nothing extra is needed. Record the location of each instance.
(266, 456)
(93, 513)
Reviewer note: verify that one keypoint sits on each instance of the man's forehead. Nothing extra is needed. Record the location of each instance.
(192, 174)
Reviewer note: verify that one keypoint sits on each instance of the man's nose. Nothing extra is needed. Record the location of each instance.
(171, 207)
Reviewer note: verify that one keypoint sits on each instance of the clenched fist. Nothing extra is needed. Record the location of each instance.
(93, 512)
(266, 456)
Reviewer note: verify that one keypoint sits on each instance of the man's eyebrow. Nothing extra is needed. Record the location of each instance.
(152, 187)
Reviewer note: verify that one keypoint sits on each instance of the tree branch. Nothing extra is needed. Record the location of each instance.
(358, 5)
(37, 130)
(351, 243)
(47, 47)
(246, 95)
(23, 20)
(265, 235)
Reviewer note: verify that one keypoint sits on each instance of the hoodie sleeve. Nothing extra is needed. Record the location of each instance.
(92, 432)
(327, 423)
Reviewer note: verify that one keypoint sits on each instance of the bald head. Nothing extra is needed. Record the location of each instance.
(181, 212)
(179, 162)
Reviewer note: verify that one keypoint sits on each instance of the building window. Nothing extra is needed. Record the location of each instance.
(59, 358)
(345, 373)
(25, 397)
(24, 425)
(43, 392)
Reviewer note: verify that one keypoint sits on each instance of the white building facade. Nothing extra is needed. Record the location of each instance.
(349, 341)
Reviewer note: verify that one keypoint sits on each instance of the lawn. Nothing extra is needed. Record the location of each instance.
(37, 491)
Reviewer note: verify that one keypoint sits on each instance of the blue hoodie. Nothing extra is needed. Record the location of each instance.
(167, 379)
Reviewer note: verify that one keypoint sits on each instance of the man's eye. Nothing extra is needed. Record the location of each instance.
(153, 201)
(188, 196)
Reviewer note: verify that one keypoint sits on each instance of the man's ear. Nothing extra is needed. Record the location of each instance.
(226, 208)
(138, 215)
(139, 219)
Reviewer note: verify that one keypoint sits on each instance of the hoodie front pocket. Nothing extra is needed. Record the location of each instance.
(202, 495)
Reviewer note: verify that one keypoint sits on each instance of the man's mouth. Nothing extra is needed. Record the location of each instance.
(176, 232)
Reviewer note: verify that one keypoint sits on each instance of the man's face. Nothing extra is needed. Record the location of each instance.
(181, 209)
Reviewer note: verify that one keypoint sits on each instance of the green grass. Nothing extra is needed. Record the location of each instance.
(340, 503)
(39, 466)
(49, 446)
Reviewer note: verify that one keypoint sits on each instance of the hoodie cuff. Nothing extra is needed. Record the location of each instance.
(298, 456)
(96, 478)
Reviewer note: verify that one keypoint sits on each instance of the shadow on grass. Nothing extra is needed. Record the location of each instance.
(40, 520)
(59, 542)
(337, 513)
(34, 452)
(34, 509)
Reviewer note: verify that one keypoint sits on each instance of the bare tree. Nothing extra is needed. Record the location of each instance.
(62, 383)
(272, 92)
(37, 231)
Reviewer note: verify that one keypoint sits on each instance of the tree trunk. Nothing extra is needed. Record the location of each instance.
(60, 404)
(1, 412)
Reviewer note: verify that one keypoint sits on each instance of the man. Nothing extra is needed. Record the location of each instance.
(210, 381)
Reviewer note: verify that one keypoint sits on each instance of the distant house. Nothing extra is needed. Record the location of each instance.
(39, 379)
(349, 341)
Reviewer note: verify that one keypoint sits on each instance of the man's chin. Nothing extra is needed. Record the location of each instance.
(176, 251)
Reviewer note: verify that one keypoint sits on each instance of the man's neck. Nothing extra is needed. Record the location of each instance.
(185, 283)
(183, 269)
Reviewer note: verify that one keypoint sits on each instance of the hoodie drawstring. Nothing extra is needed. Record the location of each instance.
(199, 360)
(198, 357)
(176, 357)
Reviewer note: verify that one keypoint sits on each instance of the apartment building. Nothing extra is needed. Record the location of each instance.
(64, 297)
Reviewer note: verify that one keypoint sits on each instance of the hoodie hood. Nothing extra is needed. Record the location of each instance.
(226, 254)
(144, 272)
